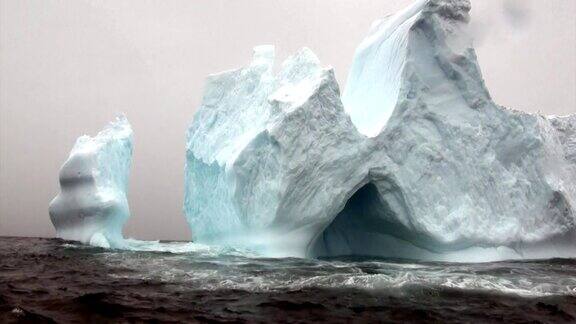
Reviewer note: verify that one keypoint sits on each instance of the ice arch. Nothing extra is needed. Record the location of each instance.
(376, 221)
(367, 220)
(440, 172)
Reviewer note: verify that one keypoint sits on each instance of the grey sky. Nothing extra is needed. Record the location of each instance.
(68, 66)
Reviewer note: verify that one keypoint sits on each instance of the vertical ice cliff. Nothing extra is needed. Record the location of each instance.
(418, 162)
(92, 206)
(257, 145)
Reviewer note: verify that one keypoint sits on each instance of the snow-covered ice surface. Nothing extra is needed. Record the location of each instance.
(92, 206)
(421, 163)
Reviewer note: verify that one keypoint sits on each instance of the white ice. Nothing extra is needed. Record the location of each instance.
(419, 162)
(92, 206)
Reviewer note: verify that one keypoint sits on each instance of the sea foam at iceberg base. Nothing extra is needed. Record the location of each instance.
(414, 160)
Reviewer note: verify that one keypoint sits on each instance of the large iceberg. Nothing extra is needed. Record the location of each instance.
(417, 163)
(92, 206)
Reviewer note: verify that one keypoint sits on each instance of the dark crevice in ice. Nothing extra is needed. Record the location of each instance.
(369, 225)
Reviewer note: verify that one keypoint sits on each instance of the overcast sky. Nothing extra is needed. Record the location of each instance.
(67, 67)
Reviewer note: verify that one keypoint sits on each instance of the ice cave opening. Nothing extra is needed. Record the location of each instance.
(370, 225)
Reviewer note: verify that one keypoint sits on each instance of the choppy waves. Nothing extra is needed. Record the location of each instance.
(53, 279)
(214, 268)
(211, 268)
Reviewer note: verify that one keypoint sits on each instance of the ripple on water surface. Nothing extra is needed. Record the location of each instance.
(45, 279)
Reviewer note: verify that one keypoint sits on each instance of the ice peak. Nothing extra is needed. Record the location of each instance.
(450, 9)
(117, 129)
(404, 48)
(263, 54)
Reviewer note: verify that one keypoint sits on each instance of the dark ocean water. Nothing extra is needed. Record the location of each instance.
(50, 280)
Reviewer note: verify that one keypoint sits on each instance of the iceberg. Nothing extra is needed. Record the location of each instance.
(92, 206)
(414, 160)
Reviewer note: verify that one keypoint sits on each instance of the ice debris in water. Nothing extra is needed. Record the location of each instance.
(92, 206)
(418, 162)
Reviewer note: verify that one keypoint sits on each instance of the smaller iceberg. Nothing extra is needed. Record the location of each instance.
(92, 206)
